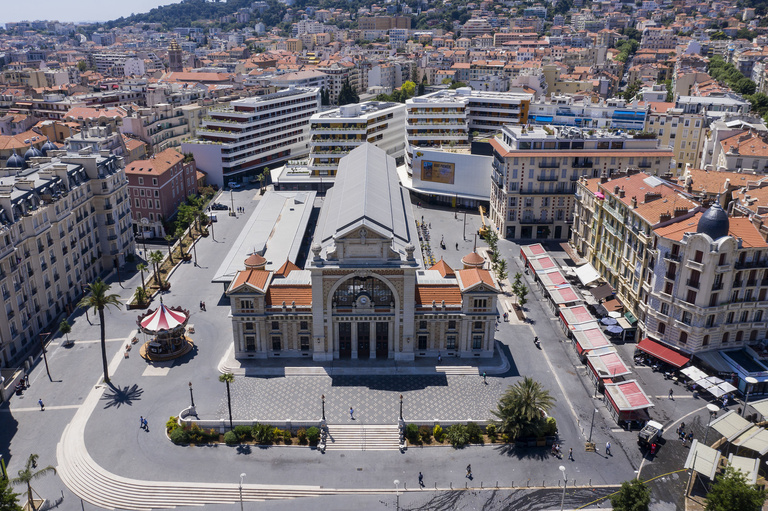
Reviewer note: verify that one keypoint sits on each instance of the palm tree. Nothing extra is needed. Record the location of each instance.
(228, 378)
(522, 408)
(156, 258)
(99, 299)
(180, 235)
(27, 475)
(169, 239)
(65, 328)
(142, 268)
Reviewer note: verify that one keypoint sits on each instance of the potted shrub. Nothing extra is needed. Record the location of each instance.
(313, 435)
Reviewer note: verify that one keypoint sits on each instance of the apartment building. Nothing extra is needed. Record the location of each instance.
(64, 220)
(682, 131)
(583, 113)
(744, 151)
(613, 228)
(383, 22)
(658, 38)
(535, 174)
(160, 126)
(334, 133)
(157, 186)
(238, 141)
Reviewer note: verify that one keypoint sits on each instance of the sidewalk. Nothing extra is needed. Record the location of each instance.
(498, 364)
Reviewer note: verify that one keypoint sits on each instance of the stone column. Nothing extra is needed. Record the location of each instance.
(372, 335)
(354, 339)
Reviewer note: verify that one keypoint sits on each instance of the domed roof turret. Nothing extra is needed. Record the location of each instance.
(714, 222)
(48, 146)
(15, 161)
(32, 152)
(255, 261)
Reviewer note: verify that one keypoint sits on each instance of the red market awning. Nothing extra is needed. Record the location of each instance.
(662, 352)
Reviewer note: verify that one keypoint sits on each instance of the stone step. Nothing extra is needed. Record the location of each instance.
(458, 370)
(363, 438)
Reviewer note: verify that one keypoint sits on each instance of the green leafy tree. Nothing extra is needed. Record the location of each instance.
(180, 235)
(522, 294)
(632, 90)
(522, 409)
(456, 84)
(28, 474)
(422, 86)
(99, 299)
(407, 90)
(501, 269)
(228, 378)
(745, 86)
(634, 495)
(731, 492)
(65, 328)
(347, 94)
(156, 258)
(8, 500)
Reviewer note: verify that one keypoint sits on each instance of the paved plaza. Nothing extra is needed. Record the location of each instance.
(91, 431)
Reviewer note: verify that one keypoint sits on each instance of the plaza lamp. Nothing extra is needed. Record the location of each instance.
(565, 484)
(750, 381)
(242, 476)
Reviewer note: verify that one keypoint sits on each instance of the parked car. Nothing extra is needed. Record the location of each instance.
(235, 186)
(216, 206)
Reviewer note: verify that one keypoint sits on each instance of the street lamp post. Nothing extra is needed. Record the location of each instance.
(211, 222)
(242, 476)
(191, 396)
(565, 484)
(397, 494)
(323, 400)
(194, 251)
(712, 409)
(45, 356)
(401, 407)
(117, 269)
(232, 200)
(750, 381)
(592, 425)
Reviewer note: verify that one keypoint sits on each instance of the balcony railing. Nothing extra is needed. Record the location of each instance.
(672, 257)
(717, 286)
(693, 283)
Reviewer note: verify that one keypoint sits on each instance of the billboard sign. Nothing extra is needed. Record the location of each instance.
(437, 172)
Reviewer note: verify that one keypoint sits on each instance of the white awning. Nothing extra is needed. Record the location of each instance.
(748, 466)
(730, 425)
(703, 459)
(587, 274)
(694, 373)
(760, 406)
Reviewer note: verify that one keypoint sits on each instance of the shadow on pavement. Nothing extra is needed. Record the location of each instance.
(391, 383)
(512, 371)
(525, 453)
(116, 396)
(186, 357)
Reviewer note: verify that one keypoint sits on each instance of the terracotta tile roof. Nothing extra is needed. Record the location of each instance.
(473, 259)
(443, 268)
(286, 268)
(156, 165)
(95, 113)
(739, 227)
(754, 198)
(714, 181)
(652, 211)
(425, 294)
(751, 145)
(471, 277)
(276, 295)
(254, 278)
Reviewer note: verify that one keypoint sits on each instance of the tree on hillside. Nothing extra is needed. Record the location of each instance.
(100, 299)
(634, 495)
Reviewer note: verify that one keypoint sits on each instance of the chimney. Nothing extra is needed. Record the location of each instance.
(616, 190)
(603, 177)
(634, 202)
(665, 217)
(621, 193)
(652, 196)
(680, 212)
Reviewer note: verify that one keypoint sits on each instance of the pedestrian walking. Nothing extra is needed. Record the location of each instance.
(26, 380)
(608, 448)
(141, 421)
(570, 454)
(469, 471)
(204, 309)
(42, 406)
(146, 425)
(201, 305)
(670, 393)
(439, 358)
(421, 480)
(351, 413)
(484, 380)
(690, 437)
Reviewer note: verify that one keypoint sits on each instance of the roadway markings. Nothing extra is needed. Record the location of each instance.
(37, 408)
(158, 369)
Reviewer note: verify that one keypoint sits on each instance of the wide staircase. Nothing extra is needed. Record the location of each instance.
(373, 437)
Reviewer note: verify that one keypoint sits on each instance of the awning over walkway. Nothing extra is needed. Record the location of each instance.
(607, 363)
(703, 459)
(552, 278)
(662, 352)
(587, 274)
(532, 251)
(601, 292)
(760, 407)
(716, 361)
(627, 395)
(730, 425)
(748, 466)
(575, 315)
(754, 439)
(563, 295)
(589, 337)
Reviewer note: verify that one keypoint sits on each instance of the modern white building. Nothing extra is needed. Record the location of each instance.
(583, 113)
(238, 141)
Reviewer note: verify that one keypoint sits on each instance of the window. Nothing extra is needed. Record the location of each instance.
(157, 204)
(698, 256)
(744, 316)
(422, 325)
(423, 342)
(758, 316)
(477, 342)
(683, 337)
(713, 300)
(687, 316)
(246, 304)
(250, 343)
(722, 260)
(276, 342)
(729, 318)
(665, 308)
(739, 336)
(157, 194)
(452, 324)
(710, 321)
(691, 298)
(705, 341)
(668, 288)
(661, 328)
(275, 325)
(450, 342)
(138, 203)
(480, 303)
(141, 182)
(303, 325)
(154, 181)
(725, 338)
(304, 342)
(477, 325)
(248, 327)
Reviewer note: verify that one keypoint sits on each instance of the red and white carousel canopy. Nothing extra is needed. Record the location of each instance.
(163, 319)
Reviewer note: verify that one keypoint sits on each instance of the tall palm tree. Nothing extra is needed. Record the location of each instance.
(28, 474)
(142, 268)
(522, 407)
(99, 299)
(169, 239)
(156, 258)
(180, 235)
(228, 378)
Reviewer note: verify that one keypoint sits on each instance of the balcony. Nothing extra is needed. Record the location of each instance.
(546, 178)
(670, 276)
(548, 165)
(526, 220)
(672, 257)
(692, 283)
(752, 283)
(738, 283)
(717, 286)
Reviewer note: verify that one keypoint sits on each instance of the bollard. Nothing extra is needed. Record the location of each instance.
(590, 482)
(481, 485)
(558, 483)
(497, 484)
(435, 486)
(542, 484)
(528, 483)
(513, 484)
(405, 486)
(466, 485)
(451, 485)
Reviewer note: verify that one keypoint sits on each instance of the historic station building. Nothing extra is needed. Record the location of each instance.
(364, 292)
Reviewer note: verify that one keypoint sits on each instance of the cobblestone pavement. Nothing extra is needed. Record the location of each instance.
(374, 399)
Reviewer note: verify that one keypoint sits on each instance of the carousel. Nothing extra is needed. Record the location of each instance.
(167, 328)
